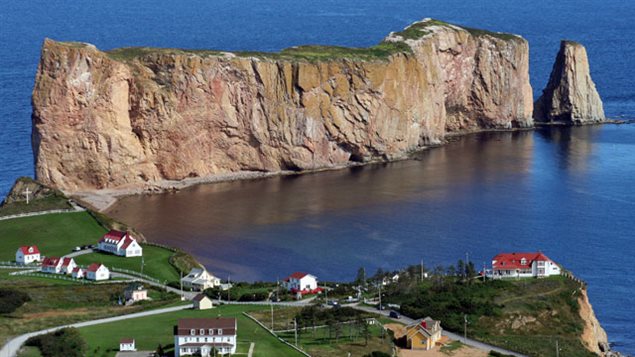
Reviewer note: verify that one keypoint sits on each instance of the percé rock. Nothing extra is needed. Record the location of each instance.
(570, 96)
(141, 115)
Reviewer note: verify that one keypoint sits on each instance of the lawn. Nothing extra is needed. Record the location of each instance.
(149, 332)
(54, 234)
(156, 262)
(318, 343)
(56, 302)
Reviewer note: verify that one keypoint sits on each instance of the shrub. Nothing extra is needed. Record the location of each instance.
(377, 354)
(11, 300)
(65, 342)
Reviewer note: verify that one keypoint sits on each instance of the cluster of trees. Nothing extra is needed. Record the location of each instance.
(338, 320)
(11, 300)
(65, 342)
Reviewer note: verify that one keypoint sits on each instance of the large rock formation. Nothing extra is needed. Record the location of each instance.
(137, 115)
(570, 96)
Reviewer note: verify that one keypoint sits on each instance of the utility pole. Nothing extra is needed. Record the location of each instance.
(229, 288)
(421, 270)
(326, 293)
(181, 280)
(271, 304)
(557, 349)
(295, 329)
(142, 264)
(380, 307)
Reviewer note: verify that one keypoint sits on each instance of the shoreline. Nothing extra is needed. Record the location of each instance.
(102, 200)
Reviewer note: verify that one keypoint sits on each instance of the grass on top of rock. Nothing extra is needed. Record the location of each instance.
(41, 198)
(526, 315)
(309, 53)
(422, 28)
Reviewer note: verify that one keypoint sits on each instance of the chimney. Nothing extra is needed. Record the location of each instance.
(424, 324)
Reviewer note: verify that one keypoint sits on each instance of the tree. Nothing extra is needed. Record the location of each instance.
(460, 268)
(361, 277)
(470, 270)
(159, 351)
(365, 332)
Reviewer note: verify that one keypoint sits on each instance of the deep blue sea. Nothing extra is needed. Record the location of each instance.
(569, 193)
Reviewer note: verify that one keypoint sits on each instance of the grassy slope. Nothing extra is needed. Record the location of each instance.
(55, 302)
(156, 262)
(54, 234)
(149, 332)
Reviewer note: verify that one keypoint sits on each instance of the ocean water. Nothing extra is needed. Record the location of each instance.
(568, 192)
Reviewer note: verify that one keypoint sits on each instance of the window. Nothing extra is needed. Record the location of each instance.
(211, 331)
(220, 331)
(202, 331)
(192, 332)
(523, 261)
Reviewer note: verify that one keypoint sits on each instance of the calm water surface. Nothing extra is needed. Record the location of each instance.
(563, 191)
(569, 193)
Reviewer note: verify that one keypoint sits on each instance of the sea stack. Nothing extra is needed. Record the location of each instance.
(570, 96)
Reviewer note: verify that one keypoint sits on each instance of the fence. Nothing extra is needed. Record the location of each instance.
(569, 275)
(136, 273)
(31, 214)
(15, 265)
(274, 334)
(57, 277)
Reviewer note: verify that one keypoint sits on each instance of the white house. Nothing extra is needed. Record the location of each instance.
(202, 302)
(127, 345)
(51, 265)
(67, 265)
(97, 271)
(135, 292)
(78, 273)
(199, 336)
(27, 254)
(523, 265)
(199, 279)
(120, 243)
(301, 282)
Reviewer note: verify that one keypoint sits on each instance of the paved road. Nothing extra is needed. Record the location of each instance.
(451, 335)
(11, 348)
(78, 253)
(189, 295)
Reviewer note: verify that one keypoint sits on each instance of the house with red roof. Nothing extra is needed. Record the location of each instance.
(127, 345)
(51, 265)
(97, 271)
(78, 273)
(67, 265)
(302, 283)
(27, 254)
(423, 334)
(523, 265)
(120, 243)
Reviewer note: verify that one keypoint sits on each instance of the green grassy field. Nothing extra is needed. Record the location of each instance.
(156, 262)
(27, 351)
(54, 234)
(149, 332)
(57, 302)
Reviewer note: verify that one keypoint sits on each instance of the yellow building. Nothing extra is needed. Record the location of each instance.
(202, 302)
(423, 334)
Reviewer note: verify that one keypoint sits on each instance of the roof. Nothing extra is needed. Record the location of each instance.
(199, 344)
(200, 297)
(50, 261)
(67, 261)
(427, 326)
(29, 249)
(515, 260)
(127, 241)
(113, 236)
(76, 269)
(297, 275)
(227, 324)
(126, 340)
(93, 267)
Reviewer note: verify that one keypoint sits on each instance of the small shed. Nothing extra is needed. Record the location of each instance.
(127, 345)
(202, 302)
(135, 292)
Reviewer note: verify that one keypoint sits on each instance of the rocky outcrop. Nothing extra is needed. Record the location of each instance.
(593, 335)
(570, 96)
(141, 115)
(36, 191)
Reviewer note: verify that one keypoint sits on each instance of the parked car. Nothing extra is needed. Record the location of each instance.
(394, 314)
(381, 307)
(77, 249)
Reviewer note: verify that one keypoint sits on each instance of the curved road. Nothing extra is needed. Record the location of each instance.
(10, 349)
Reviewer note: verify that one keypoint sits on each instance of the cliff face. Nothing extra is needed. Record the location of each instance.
(593, 336)
(570, 96)
(130, 116)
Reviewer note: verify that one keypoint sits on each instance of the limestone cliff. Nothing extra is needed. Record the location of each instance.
(570, 96)
(137, 115)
